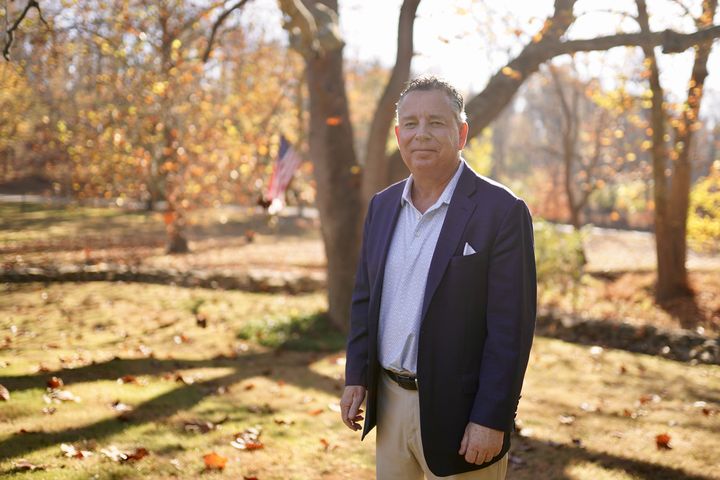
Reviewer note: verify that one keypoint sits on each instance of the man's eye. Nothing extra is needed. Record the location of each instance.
(436, 122)
(409, 124)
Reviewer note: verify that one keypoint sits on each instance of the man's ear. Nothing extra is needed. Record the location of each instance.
(397, 134)
(462, 140)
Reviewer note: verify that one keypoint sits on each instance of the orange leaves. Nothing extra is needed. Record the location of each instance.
(333, 121)
(169, 217)
(213, 461)
(512, 73)
(662, 441)
(115, 454)
(55, 382)
(128, 379)
(248, 439)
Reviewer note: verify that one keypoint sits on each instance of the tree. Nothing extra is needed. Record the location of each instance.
(343, 185)
(672, 201)
(314, 33)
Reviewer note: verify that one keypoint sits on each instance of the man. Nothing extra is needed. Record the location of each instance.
(443, 309)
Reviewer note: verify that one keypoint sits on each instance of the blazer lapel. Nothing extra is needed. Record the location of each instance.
(459, 211)
(387, 221)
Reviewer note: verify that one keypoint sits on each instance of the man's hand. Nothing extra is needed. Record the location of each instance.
(480, 444)
(350, 402)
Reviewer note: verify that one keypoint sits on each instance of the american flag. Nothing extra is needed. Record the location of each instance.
(287, 162)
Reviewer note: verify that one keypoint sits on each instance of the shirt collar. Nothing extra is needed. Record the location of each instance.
(445, 196)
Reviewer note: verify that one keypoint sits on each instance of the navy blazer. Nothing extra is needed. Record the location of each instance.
(478, 316)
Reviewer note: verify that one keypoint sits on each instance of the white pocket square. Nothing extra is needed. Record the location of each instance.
(468, 250)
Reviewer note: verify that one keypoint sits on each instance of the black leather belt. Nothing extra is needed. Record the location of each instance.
(405, 381)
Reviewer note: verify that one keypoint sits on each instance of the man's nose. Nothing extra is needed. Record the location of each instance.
(422, 131)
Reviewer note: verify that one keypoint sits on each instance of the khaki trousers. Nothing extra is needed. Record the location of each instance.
(399, 446)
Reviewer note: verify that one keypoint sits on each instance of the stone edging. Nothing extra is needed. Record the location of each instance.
(683, 345)
(252, 281)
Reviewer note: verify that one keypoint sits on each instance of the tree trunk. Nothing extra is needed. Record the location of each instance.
(376, 174)
(671, 272)
(679, 200)
(338, 179)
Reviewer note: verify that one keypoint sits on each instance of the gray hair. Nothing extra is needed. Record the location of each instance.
(428, 83)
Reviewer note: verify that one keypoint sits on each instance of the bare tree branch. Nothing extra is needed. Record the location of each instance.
(10, 33)
(218, 24)
(670, 40)
(376, 169)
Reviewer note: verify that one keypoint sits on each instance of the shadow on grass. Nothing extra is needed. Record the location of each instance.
(167, 404)
(553, 461)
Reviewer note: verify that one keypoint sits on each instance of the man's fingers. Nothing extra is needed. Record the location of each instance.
(463, 444)
(354, 407)
(471, 456)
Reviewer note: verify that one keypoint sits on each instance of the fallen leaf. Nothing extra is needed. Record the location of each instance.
(577, 442)
(596, 351)
(647, 398)
(335, 407)
(138, 454)
(325, 444)
(49, 410)
(264, 409)
(4, 393)
(186, 379)
(72, 452)
(201, 320)
(118, 406)
(23, 465)
(128, 379)
(566, 419)
(248, 439)
(250, 478)
(316, 411)
(114, 453)
(55, 382)
(249, 386)
(59, 396)
(283, 421)
(199, 426)
(42, 368)
(663, 441)
(213, 461)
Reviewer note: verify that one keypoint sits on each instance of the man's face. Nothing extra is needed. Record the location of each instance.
(428, 133)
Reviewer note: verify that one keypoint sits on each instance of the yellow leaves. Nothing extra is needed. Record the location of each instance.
(646, 145)
(631, 157)
(176, 44)
(159, 88)
(512, 73)
(618, 133)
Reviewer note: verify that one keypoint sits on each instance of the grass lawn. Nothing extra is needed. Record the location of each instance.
(270, 362)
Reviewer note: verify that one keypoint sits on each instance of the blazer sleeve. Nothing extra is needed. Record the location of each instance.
(356, 366)
(511, 310)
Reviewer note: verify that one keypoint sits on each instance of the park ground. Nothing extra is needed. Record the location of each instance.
(185, 372)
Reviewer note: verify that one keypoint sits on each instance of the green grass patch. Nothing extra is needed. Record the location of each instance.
(305, 333)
